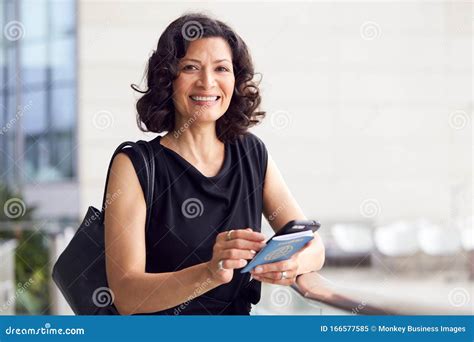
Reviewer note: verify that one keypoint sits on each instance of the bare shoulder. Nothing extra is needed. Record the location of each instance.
(122, 167)
(124, 187)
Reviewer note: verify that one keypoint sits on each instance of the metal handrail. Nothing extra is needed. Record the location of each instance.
(313, 286)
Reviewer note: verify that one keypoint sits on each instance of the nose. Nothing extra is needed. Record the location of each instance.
(206, 79)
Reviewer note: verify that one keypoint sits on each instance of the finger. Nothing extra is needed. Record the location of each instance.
(286, 282)
(243, 244)
(231, 264)
(276, 275)
(221, 236)
(237, 254)
(247, 234)
(279, 266)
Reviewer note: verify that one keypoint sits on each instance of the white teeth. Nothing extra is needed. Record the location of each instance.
(204, 98)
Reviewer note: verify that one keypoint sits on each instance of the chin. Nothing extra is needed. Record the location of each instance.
(208, 116)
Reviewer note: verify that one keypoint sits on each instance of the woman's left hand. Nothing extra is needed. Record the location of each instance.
(272, 272)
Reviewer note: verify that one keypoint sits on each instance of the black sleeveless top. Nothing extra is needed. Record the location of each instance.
(190, 209)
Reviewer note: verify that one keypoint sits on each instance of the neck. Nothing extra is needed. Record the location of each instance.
(197, 141)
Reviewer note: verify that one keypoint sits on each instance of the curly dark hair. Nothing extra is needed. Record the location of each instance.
(156, 110)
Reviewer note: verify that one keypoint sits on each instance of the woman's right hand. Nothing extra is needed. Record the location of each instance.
(234, 253)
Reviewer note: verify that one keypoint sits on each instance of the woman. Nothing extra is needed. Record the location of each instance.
(214, 181)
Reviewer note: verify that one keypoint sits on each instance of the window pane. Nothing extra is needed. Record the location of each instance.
(33, 63)
(37, 157)
(63, 17)
(33, 15)
(8, 120)
(34, 119)
(63, 153)
(63, 108)
(49, 157)
(63, 57)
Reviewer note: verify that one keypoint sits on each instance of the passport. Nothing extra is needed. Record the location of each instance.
(280, 248)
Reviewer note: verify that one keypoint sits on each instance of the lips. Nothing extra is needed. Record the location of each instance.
(200, 98)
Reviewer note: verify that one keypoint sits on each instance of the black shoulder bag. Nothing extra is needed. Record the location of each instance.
(80, 272)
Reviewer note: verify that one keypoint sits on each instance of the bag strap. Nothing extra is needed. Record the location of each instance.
(149, 168)
(151, 179)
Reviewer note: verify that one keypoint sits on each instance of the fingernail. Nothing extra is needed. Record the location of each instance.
(252, 251)
(258, 269)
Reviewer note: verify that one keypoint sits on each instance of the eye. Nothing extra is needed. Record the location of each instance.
(222, 68)
(189, 67)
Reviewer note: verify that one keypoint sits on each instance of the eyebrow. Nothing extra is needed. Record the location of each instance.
(198, 61)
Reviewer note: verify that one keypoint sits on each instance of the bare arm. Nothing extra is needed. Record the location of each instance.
(281, 207)
(136, 291)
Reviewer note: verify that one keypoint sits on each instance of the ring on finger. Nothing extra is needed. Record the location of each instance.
(220, 265)
(228, 236)
(284, 275)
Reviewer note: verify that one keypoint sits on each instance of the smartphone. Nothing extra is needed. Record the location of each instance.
(296, 226)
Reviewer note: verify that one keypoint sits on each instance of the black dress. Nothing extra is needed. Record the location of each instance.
(190, 209)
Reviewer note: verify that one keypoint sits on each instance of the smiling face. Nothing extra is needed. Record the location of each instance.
(205, 82)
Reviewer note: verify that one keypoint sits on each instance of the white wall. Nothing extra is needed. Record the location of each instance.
(350, 118)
